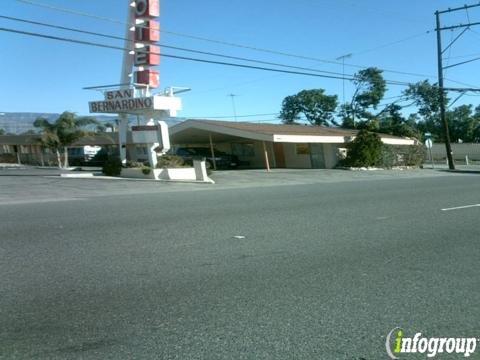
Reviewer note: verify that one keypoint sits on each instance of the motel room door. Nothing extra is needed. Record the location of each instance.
(317, 156)
(279, 155)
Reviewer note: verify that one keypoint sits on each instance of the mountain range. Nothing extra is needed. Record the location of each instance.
(21, 122)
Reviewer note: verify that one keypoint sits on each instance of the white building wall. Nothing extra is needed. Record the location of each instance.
(294, 160)
(331, 155)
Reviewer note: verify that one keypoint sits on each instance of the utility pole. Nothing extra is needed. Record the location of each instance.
(441, 68)
(233, 106)
(441, 91)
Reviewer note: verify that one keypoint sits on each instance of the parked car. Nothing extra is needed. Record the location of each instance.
(222, 159)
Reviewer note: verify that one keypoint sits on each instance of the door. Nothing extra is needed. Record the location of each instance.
(279, 155)
(317, 156)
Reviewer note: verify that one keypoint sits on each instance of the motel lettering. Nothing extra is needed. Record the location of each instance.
(125, 105)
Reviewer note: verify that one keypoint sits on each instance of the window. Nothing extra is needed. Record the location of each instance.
(302, 149)
(243, 149)
(141, 150)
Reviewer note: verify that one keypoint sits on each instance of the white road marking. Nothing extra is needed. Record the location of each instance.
(461, 207)
(239, 237)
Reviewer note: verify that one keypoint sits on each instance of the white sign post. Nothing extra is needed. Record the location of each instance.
(429, 145)
(138, 78)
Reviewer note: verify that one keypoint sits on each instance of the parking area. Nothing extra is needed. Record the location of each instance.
(29, 184)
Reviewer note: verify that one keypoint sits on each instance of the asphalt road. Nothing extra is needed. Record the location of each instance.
(311, 271)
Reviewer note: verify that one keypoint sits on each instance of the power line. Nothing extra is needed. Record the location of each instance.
(90, 43)
(168, 46)
(84, 14)
(379, 47)
(393, 82)
(55, 8)
(225, 43)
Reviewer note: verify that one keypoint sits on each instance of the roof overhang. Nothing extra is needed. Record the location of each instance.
(198, 132)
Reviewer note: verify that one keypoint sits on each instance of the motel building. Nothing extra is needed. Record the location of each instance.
(257, 146)
(272, 146)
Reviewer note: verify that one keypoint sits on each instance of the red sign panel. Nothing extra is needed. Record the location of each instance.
(150, 78)
(149, 31)
(148, 56)
(147, 8)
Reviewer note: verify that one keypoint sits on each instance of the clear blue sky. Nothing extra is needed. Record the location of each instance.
(41, 75)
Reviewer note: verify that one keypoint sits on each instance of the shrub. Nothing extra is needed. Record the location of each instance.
(365, 150)
(112, 166)
(170, 161)
(134, 164)
(100, 158)
(389, 157)
(146, 170)
(415, 155)
(402, 155)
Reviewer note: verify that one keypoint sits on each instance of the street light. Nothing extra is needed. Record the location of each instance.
(343, 57)
(233, 105)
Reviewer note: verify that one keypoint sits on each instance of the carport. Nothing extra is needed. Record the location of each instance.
(213, 135)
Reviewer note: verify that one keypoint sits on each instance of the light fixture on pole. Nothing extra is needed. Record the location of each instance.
(343, 57)
(233, 106)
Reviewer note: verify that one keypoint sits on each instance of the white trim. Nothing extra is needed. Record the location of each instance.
(391, 141)
(310, 139)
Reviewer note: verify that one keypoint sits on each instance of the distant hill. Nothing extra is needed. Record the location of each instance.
(18, 123)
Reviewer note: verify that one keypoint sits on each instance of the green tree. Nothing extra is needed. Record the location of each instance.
(370, 88)
(103, 127)
(476, 131)
(67, 129)
(291, 110)
(29, 132)
(317, 107)
(426, 97)
(391, 121)
(463, 125)
(2, 132)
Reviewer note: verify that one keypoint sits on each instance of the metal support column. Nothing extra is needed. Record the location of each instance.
(212, 152)
(267, 163)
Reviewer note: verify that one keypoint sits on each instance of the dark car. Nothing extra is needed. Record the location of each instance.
(222, 160)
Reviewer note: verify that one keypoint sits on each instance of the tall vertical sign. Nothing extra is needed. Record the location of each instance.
(147, 52)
